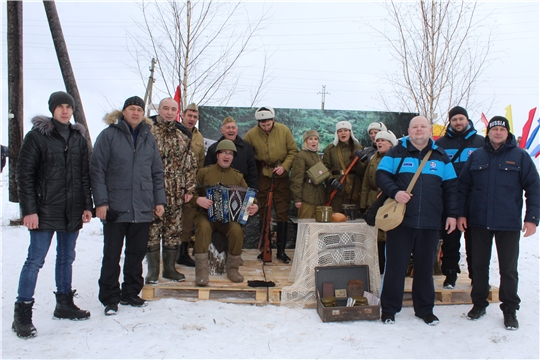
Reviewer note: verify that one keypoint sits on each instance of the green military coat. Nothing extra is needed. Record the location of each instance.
(273, 149)
(301, 188)
(352, 185)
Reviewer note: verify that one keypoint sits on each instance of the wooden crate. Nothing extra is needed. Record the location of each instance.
(460, 294)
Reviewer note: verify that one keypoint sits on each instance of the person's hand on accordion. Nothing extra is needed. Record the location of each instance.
(204, 202)
(252, 209)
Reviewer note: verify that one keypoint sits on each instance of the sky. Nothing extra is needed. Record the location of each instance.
(307, 44)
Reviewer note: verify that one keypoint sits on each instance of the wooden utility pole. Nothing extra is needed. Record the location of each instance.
(149, 86)
(15, 91)
(65, 66)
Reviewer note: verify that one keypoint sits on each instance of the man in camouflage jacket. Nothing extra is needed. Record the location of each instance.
(179, 168)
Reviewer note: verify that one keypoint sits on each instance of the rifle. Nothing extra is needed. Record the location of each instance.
(342, 180)
(264, 240)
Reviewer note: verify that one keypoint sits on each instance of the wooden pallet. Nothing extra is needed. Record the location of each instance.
(279, 274)
(461, 294)
(220, 288)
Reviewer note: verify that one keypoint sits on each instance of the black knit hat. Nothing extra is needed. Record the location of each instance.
(458, 110)
(59, 98)
(498, 121)
(134, 100)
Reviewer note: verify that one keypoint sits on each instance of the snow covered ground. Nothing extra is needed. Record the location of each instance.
(172, 328)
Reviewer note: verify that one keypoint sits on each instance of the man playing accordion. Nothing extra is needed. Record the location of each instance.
(219, 173)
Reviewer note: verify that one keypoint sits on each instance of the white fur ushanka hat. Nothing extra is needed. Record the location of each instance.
(344, 125)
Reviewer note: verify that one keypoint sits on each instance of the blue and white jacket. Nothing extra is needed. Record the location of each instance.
(491, 187)
(452, 141)
(435, 190)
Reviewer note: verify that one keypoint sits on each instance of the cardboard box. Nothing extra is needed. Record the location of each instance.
(340, 276)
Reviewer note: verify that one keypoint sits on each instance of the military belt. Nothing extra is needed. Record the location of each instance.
(342, 172)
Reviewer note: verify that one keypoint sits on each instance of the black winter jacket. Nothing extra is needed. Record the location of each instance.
(491, 187)
(434, 191)
(53, 178)
(244, 160)
(452, 141)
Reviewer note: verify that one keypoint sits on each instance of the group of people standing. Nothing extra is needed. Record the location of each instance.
(148, 178)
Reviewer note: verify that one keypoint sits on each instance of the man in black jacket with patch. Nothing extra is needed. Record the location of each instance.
(490, 202)
(53, 183)
(459, 141)
(244, 161)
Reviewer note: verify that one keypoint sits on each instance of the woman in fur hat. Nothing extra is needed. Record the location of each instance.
(384, 141)
(337, 157)
(306, 195)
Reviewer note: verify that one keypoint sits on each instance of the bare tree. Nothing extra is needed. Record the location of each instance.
(197, 45)
(440, 55)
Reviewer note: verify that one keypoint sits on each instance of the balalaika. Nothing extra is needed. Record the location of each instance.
(230, 203)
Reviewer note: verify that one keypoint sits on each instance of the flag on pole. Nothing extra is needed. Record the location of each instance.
(484, 120)
(509, 117)
(533, 135)
(177, 95)
(526, 129)
(536, 151)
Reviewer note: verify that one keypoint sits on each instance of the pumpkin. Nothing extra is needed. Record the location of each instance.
(338, 217)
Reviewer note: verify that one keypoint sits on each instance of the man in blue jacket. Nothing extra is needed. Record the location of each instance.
(491, 189)
(459, 141)
(433, 194)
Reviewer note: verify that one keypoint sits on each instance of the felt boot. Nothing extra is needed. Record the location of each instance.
(233, 263)
(201, 269)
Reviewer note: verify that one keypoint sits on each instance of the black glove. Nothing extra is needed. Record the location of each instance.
(336, 185)
(362, 154)
(261, 283)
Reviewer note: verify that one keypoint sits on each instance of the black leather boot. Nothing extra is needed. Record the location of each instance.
(183, 256)
(66, 309)
(281, 241)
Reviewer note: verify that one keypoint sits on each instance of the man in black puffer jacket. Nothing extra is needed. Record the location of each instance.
(459, 141)
(53, 182)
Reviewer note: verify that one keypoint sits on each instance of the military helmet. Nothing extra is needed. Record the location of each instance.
(225, 145)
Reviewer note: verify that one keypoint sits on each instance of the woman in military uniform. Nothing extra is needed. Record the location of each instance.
(306, 195)
(384, 141)
(337, 157)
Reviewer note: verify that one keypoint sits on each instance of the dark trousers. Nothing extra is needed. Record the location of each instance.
(400, 244)
(507, 243)
(136, 235)
(450, 249)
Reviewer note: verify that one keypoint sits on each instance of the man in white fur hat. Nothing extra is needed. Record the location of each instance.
(274, 148)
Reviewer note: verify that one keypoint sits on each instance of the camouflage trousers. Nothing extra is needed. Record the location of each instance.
(166, 231)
